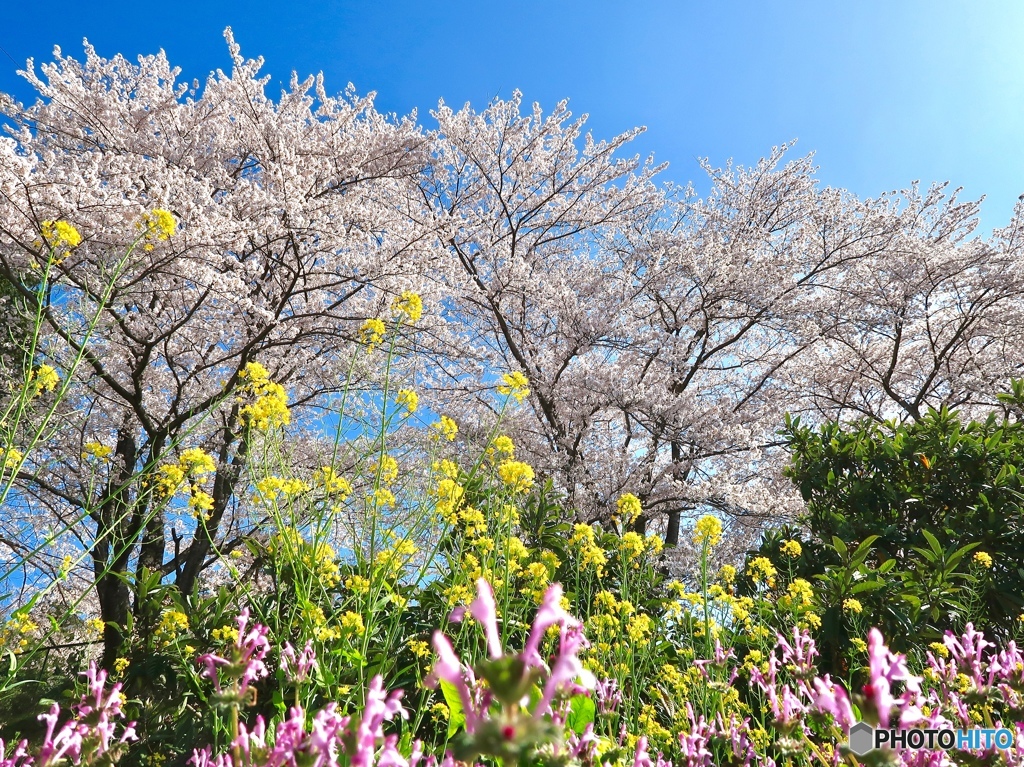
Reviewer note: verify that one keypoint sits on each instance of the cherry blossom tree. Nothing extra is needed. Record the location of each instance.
(932, 319)
(665, 336)
(255, 231)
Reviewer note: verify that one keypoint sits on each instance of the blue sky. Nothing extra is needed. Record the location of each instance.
(884, 92)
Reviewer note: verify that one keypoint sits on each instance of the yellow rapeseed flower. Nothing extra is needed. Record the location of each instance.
(631, 544)
(58, 233)
(515, 384)
(640, 627)
(196, 462)
(410, 304)
(332, 483)
(708, 530)
(518, 476)
(799, 595)
(158, 224)
(419, 648)
(269, 406)
(357, 584)
(271, 487)
(226, 634)
(939, 649)
(371, 333)
(409, 399)
(446, 428)
(628, 507)
(381, 497)
(853, 606)
(503, 445)
(386, 468)
(983, 559)
(762, 571)
(584, 542)
(169, 479)
(96, 450)
(10, 458)
(201, 501)
(95, 625)
(172, 623)
(791, 549)
(43, 378)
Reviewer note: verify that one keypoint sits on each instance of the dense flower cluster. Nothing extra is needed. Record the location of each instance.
(269, 403)
(89, 737)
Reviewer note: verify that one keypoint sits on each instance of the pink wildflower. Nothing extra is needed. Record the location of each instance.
(296, 666)
(550, 614)
(831, 698)
(485, 611)
(449, 668)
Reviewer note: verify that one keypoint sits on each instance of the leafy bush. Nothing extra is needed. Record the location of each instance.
(921, 523)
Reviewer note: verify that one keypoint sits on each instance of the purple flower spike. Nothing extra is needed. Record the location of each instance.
(297, 666)
(485, 611)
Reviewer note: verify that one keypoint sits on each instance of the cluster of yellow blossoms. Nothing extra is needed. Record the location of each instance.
(18, 632)
(270, 487)
(193, 465)
(158, 225)
(391, 562)
(501, 446)
(628, 507)
(43, 378)
(410, 305)
(514, 384)
(349, 624)
(591, 555)
(761, 570)
(269, 405)
(96, 450)
(386, 469)
(60, 237)
(408, 399)
(10, 458)
(445, 428)
(517, 475)
(61, 234)
(318, 559)
(449, 494)
(172, 624)
(618, 631)
(333, 483)
(226, 634)
(799, 600)
(707, 531)
(371, 333)
(791, 549)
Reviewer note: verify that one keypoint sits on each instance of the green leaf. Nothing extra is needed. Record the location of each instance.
(867, 586)
(279, 704)
(456, 716)
(582, 712)
(932, 541)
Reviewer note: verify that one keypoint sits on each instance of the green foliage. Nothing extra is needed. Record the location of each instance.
(921, 523)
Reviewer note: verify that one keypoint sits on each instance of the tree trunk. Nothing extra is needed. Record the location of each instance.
(116, 531)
